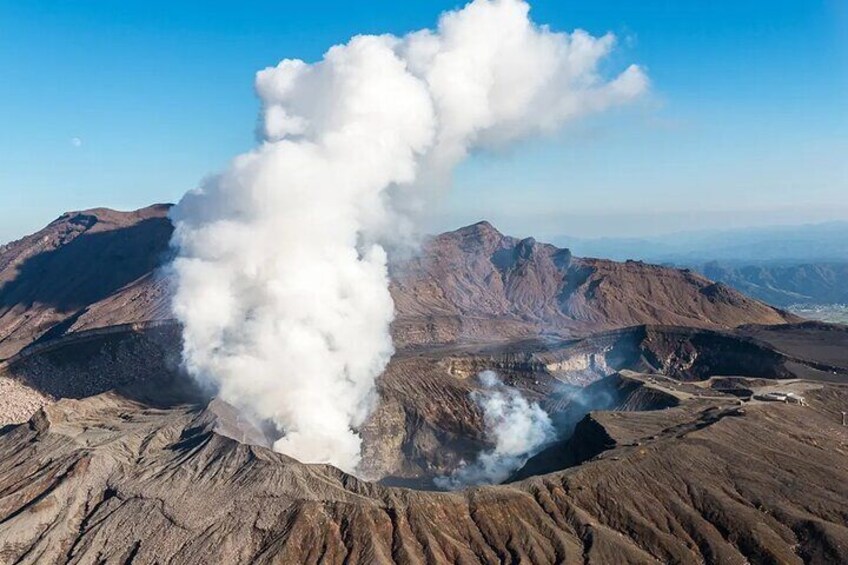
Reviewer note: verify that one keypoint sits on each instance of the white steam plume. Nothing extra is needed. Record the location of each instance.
(518, 428)
(281, 280)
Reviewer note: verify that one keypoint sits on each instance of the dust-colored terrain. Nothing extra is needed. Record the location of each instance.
(655, 379)
(97, 268)
(673, 472)
(85, 270)
(477, 284)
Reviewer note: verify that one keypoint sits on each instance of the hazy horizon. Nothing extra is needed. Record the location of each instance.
(590, 226)
(637, 225)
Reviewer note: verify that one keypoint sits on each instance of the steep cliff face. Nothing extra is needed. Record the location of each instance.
(426, 421)
(476, 284)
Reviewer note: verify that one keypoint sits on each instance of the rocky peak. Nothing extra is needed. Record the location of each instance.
(479, 236)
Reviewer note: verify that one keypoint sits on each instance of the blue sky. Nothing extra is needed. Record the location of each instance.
(122, 104)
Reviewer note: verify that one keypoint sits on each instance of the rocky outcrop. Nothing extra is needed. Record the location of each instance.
(476, 284)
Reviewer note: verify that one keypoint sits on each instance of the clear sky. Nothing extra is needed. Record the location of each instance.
(122, 104)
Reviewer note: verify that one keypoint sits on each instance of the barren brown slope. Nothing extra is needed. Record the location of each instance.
(52, 280)
(97, 268)
(106, 479)
(477, 284)
(143, 476)
(426, 421)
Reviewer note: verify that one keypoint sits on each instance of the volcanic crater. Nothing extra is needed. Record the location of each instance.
(653, 378)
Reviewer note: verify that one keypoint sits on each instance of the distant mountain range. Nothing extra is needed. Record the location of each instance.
(783, 266)
(784, 285)
(809, 243)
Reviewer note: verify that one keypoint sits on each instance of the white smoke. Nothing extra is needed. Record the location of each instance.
(519, 429)
(281, 279)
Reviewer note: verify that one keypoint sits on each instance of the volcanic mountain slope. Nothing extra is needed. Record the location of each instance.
(124, 461)
(85, 269)
(97, 268)
(426, 422)
(110, 479)
(477, 284)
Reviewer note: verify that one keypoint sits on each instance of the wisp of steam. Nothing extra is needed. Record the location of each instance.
(281, 269)
(518, 429)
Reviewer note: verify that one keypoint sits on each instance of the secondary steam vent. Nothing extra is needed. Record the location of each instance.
(281, 280)
(517, 428)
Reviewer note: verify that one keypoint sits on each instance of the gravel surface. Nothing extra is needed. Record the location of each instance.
(18, 402)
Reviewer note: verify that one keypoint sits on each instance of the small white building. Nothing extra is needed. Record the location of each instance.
(777, 396)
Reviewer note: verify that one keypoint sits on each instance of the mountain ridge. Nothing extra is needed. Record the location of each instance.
(100, 267)
(114, 455)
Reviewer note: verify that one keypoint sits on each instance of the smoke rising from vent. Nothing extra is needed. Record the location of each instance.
(519, 429)
(281, 278)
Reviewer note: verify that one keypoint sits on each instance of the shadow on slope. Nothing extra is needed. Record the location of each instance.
(142, 364)
(89, 267)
